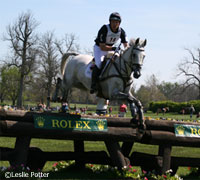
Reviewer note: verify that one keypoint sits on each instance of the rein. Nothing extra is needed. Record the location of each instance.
(120, 70)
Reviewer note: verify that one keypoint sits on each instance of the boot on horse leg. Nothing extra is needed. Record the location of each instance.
(95, 78)
(133, 110)
(137, 110)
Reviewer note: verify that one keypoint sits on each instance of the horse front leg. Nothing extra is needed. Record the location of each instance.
(136, 109)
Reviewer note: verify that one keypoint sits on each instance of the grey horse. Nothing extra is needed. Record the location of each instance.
(116, 80)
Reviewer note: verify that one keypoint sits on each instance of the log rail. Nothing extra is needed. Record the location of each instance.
(20, 124)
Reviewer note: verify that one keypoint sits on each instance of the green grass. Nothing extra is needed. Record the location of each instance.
(64, 145)
(175, 116)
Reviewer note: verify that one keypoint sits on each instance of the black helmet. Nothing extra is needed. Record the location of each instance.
(115, 16)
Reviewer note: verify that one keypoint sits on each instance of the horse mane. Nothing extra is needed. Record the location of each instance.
(131, 43)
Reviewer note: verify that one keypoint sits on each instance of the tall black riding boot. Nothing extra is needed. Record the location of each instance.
(95, 77)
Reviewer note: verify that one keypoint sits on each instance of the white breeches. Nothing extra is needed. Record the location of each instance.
(99, 55)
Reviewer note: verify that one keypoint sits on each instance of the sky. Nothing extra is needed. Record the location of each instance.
(169, 26)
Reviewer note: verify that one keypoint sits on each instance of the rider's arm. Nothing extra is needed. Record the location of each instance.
(101, 39)
(124, 39)
(105, 47)
(125, 45)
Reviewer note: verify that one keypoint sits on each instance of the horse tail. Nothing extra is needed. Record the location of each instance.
(64, 60)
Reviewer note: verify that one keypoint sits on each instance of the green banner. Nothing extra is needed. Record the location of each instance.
(183, 130)
(70, 123)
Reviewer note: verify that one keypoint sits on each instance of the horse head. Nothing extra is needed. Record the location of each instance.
(135, 55)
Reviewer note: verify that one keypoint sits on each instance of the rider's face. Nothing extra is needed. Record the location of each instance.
(114, 24)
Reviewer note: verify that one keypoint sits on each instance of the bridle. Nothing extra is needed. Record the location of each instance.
(123, 68)
(129, 64)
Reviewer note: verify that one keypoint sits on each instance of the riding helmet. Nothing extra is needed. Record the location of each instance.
(115, 16)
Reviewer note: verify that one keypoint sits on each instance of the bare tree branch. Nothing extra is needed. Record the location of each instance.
(23, 42)
(49, 61)
(67, 44)
(190, 69)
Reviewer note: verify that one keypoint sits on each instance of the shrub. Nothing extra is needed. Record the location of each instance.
(175, 106)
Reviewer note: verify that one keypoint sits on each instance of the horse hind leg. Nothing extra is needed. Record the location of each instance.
(56, 92)
(65, 95)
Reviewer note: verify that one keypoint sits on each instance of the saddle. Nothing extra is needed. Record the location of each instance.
(105, 64)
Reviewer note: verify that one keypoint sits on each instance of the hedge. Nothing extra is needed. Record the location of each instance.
(176, 107)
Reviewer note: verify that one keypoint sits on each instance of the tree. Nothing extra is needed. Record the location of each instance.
(2, 86)
(67, 44)
(190, 69)
(23, 44)
(144, 95)
(178, 92)
(49, 62)
(150, 91)
(168, 89)
(10, 79)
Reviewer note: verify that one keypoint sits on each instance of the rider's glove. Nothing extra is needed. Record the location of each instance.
(114, 48)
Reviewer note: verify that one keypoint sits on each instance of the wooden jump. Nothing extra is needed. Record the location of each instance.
(20, 124)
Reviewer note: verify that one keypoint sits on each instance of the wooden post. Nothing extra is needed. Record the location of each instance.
(165, 152)
(79, 147)
(21, 151)
(161, 150)
(116, 155)
(126, 148)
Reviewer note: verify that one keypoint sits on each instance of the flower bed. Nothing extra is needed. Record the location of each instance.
(67, 169)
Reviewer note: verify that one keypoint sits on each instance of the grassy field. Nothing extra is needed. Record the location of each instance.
(63, 145)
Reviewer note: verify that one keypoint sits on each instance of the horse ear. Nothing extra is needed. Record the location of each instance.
(144, 43)
(137, 41)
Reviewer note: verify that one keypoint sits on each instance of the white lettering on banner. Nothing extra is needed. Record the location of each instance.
(22, 174)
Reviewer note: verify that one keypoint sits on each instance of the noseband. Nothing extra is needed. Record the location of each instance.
(124, 71)
(131, 64)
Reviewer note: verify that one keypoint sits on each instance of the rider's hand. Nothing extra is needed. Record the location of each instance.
(114, 48)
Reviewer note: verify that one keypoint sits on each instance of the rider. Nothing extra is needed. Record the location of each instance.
(107, 36)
